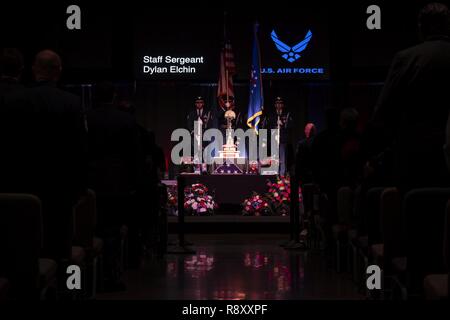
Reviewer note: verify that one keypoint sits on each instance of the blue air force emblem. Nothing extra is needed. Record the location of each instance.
(291, 54)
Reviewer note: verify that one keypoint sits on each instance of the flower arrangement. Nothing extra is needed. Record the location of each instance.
(198, 201)
(256, 205)
(275, 201)
(172, 200)
(279, 194)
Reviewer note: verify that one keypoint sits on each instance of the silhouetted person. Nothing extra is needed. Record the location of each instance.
(414, 103)
(157, 154)
(11, 68)
(61, 129)
(147, 194)
(115, 164)
(304, 156)
(326, 159)
(46, 151)
(147, 143)
(447, 143)
(14, 165)
(15, 141)
(351, 160)
(113, 153)
(326, 150)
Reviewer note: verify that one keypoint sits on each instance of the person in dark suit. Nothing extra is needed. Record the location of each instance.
(44, 153)
(447, 143)
(15, 175)
(199, 113)
(116, 169)
(303, 158)
(114, 153)
(12, 103)
(326, 158)
(61, 128)
(11, 68)
(414, 103)
(149, 189)
(351, 157)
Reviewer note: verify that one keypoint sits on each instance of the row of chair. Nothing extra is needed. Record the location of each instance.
(26, 274)
(404, 235)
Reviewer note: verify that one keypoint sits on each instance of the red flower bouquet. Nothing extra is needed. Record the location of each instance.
(172, 200)
(279, 194)
(256, 205)
(198, 201)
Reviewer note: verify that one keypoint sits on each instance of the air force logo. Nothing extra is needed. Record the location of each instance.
(291, 54)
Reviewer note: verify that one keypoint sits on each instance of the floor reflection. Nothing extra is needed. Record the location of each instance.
(195, 265)
(227, 267)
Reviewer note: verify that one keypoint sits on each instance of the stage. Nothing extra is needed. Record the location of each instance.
(229, 190)
(231, 223)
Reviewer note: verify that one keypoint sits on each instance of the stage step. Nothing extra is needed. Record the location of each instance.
(232, 224)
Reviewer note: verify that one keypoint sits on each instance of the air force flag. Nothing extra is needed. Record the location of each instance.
(256, 101)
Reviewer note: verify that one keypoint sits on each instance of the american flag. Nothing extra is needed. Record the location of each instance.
(227, 70)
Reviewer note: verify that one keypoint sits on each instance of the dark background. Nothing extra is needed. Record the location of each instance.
(189, 33)
(105, 49)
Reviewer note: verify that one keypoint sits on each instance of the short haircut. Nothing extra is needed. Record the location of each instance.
(434, 19)
(47, 64)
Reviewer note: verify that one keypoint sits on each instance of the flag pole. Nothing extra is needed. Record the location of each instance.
(226, 83)
(224, 53)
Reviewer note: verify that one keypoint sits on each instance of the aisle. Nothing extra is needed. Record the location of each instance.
(237, 266)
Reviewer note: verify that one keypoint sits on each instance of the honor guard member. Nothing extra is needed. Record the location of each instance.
(204, 117)
(199, 114)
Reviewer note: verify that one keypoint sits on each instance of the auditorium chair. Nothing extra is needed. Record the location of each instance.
(354, 232)
(20, 243)
(161, 223)
(390, 248)
(345, 202)
(4, 288)
(436, 286)
(369, 212)
(424, 213)
(85, 219)
(311, 217)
